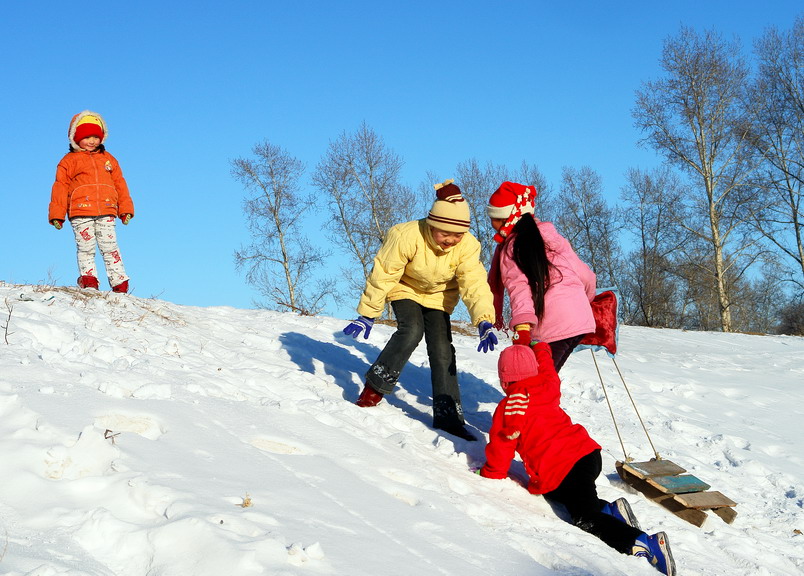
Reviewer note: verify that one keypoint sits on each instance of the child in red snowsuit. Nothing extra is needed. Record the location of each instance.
(561, 459)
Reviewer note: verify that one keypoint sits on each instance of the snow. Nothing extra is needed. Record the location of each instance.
(139, 437)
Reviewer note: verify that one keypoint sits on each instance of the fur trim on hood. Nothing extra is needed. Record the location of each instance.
(86, 117)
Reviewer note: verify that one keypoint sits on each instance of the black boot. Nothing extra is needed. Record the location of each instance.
(447, 418)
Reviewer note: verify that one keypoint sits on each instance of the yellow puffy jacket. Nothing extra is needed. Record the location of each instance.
(411, 266)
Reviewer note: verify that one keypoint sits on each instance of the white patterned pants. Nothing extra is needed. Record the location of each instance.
(100, 231)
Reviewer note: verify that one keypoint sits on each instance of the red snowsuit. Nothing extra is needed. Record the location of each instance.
(549, 443)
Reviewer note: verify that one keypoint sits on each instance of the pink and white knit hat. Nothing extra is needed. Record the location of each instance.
(509, 202)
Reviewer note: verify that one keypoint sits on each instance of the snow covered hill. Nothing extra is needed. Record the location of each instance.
(139, 437)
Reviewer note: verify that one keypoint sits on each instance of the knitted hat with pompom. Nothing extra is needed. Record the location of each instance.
(516, 363)
(450, 211)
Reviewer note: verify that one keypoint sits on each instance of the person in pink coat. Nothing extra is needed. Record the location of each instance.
(549, 287)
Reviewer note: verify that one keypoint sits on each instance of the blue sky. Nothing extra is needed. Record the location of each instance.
(187, 87)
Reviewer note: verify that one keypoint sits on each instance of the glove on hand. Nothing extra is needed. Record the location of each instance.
(475, 469)
(57, 223)
(522, 334)
(487, 337)
(357, 325)
(126, 218)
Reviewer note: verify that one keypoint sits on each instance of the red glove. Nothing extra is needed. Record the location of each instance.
(126, 218)
(57, 223)
(522, 334)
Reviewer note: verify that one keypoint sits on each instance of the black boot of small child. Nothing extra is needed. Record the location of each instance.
(447, 418)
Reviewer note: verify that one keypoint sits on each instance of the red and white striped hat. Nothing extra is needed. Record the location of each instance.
(509, 202)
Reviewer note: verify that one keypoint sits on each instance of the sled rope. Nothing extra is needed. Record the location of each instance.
(611, 409)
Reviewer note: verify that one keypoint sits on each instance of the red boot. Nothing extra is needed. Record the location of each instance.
(87, 282)
(122, 287)
(368, 397)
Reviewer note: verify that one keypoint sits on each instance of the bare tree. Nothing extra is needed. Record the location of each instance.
(791, 319)
(280, 261)
(530, 175)
(776, 105)
(693, 117)
(761, 300)
(589, 224)
(361, 178)
(650, 290)
(477, 185)
(698, 296)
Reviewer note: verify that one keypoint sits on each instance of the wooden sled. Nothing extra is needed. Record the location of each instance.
(684, 495)
(660, 480)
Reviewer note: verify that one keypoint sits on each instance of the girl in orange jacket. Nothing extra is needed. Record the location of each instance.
(91, 191)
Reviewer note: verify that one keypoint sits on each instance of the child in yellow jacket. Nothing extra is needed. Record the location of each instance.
(422, 269)
(91, 191)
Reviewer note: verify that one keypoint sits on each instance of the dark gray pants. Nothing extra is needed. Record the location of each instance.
(562, 349)
(414, 322)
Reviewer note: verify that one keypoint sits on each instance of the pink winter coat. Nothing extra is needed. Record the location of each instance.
(567, 309)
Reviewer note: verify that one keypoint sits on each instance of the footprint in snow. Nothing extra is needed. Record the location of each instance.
(90, 455)
(276, 447)
(145, 426)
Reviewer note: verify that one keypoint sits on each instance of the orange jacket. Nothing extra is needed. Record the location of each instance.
(89, 184)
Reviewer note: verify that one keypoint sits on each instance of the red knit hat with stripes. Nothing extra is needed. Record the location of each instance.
(515, 364)
(450, 211)
(509, 202)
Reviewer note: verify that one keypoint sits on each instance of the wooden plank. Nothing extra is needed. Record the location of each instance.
(667, 501)
(727, 514)
(706, 500)
(691, 515)
(678, 484)
(688, 506)
(653, 468)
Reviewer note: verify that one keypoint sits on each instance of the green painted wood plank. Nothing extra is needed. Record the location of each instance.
(679, 484)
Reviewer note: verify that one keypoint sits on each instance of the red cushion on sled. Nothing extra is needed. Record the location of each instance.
(604, 308)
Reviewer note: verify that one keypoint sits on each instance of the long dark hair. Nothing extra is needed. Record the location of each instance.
(530, 254)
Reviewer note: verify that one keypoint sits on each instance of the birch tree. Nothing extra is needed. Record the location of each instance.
(360, 177)
(589, 224)
(776, 105)
(280, 262)
(693, 117)
(477, 185)
(650, 289)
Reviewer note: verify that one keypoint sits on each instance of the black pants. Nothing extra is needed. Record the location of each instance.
(577, 492)
(413, 322)
(561, 349)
